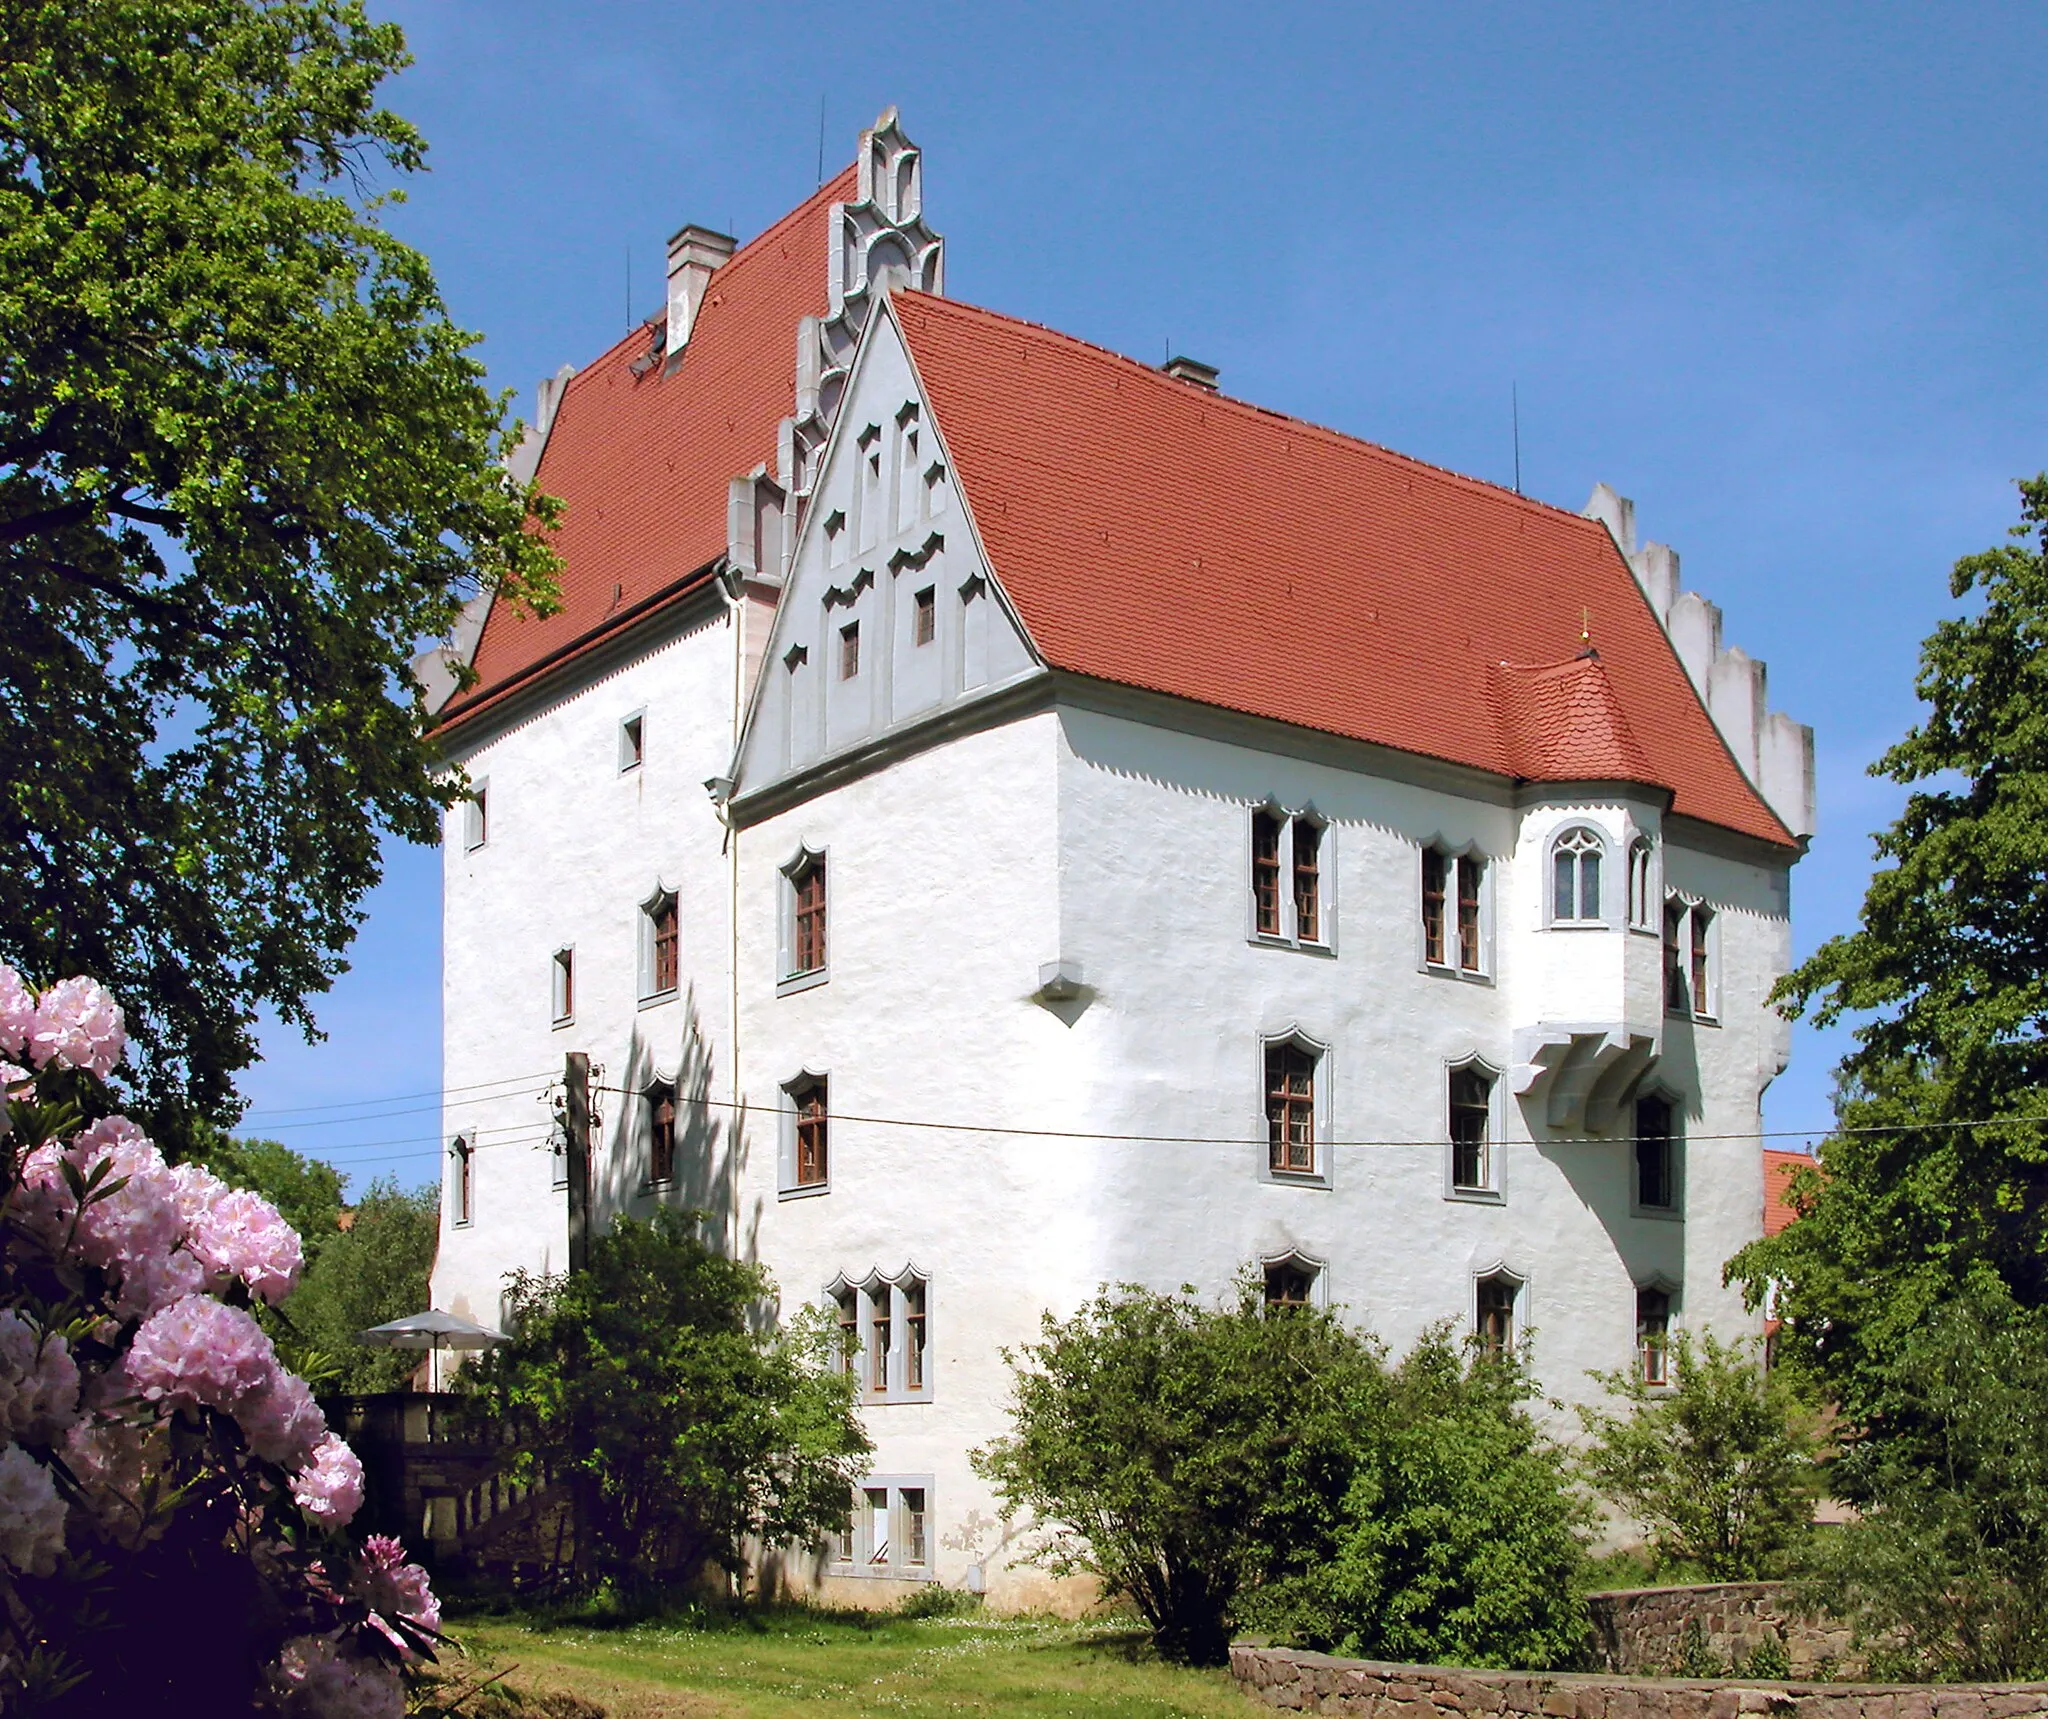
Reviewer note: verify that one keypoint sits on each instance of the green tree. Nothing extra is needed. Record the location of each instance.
(1721, 1469)
(1460, 1539)
(375, 1270)
(246, 465)
(1229, 1465)
(1945, 1570)
(306, 1192)
(1947, 977)
(685, 1422)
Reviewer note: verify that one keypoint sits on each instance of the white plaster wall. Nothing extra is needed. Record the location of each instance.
(574, 848)
(943, 890)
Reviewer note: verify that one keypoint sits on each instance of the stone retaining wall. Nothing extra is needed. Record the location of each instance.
(1642, 1631)
(1316, 1683)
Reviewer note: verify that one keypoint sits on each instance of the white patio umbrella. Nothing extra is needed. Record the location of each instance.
(433, 1331)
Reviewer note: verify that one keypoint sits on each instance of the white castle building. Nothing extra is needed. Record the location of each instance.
(1004, 819)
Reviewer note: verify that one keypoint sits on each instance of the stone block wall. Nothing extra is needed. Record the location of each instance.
(1316, 1683)
(1642, 1631)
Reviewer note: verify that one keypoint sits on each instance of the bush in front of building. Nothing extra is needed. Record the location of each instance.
(1720, 1467)
(1944, 1572)
(1238, 1466)
(683, 1420)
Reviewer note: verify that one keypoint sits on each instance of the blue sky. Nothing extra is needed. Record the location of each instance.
(1778, 273)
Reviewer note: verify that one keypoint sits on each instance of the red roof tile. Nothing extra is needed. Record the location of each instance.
(1779, 1169)
(642, 463)
(1160, 536)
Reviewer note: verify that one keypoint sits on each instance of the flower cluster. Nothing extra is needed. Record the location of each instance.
(100, 1236)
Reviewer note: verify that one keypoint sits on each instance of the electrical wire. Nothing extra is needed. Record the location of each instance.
(1215, 1140)
(400, 1097)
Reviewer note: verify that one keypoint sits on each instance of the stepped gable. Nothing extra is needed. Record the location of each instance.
(642, 457)
(1562, 722)
(1158, 535)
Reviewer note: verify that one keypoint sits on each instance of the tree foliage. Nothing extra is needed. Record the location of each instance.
(246, 464)
(685, 1422)
(375, 1270)
(1218, 1465)
(1945, 1571)
(1722, 1469)
(1947, 977)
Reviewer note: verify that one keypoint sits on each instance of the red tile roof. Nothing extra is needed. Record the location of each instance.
(1779, 1169)
(642, 463)
(1160, 536)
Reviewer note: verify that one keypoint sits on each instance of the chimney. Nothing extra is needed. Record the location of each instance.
(692, 256)
(1192, 370)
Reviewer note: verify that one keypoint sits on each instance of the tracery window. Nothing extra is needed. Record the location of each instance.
(1575, 876)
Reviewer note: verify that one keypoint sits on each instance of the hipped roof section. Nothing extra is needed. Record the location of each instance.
(1157, 535)
(643, 461)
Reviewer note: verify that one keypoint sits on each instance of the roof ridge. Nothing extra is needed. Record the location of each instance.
(1251, 407)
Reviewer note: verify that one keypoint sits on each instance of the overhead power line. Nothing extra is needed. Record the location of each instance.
(1239, 1140)
(403, 1097)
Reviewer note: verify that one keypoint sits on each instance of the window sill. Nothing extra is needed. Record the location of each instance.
(562, 1021)
(893, 1399)
(1578, 925)
(659, 997)
(791, 983)
(1645, 931)
(1468, 975)
(1697, 1019)
(804, 1190)
(1476, 1196)
(1298, 1178)
(849, 1571)
(1662, 1214)
(461, 1223)
(1299, 945)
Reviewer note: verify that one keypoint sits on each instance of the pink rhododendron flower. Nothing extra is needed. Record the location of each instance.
(201, 1352)
(17, 1012)
(330, 1487)
(112, 1460)
(77, 1025)
(313, 1679)
(38, 1381)
(15, 1084)
(392, 1588)
(239, 1234)
(133, 1233)
(31, 1514)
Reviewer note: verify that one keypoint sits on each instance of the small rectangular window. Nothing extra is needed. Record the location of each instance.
(1471, 1103)
(878, 1524)
(849, 650)
(925, 627)
(1469, 870)
(1642, 906)
(915, 1549)
(1266, 874)
(1496, 1311)
(813, 1162)
(1656, 1178)
(661, 1134)
(564, 986)
(664, 933)
(807, 929)
(1675, 993)
(1434, 868)
(846, 1305)
(913, 1337)
(881, 1338)
(1308, 841)
(1653, 1336)
(632, 742)
(1290, 1109)
(1702, 991)
(1290, 1284)
(462, 1181)
(476, 817)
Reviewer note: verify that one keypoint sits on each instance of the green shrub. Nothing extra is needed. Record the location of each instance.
(1229, 1466)
(1720, 1468)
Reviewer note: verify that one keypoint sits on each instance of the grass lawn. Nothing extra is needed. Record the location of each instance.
(815, 1664)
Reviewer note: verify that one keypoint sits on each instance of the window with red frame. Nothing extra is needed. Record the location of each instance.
(1266, 874)
(1290, 1108)
(812, 1160)
(807, 939)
